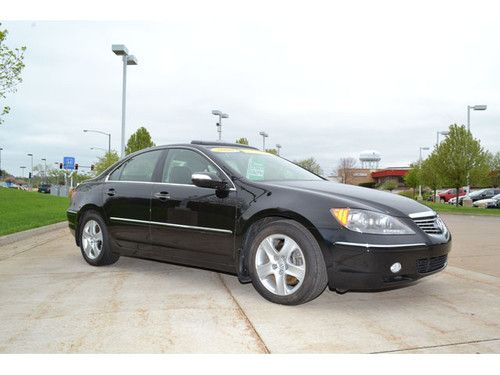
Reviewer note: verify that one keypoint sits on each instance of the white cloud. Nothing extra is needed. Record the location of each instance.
(323, 81)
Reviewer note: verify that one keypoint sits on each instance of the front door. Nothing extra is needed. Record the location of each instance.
(190, 224)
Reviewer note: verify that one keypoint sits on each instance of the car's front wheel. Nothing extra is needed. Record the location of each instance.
(286, 263)
(94, 240)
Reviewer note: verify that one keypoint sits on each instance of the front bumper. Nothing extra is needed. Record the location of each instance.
(367, 267)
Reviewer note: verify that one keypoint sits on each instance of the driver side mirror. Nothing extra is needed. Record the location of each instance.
(208, 180)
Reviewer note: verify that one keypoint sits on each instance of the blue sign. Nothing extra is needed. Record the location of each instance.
(69, 162)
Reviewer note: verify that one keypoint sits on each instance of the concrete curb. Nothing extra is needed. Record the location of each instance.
(5, 240)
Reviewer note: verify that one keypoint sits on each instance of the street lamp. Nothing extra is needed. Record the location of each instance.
(278, 147)
(44, 169)
(443, 132)
(264, 136)
(480, 107)
(420, 164)
(31, 176)
(121, 50)
(1, 161)
(100, 132)
(221, 115)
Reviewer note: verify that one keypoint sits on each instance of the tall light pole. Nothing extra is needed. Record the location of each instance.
(121, 50)
(420, 164)
(278, 147)
(100, 132)
(264, 136)
(44, 169)
(31, 176)
(443, 132)
(479, 107)
(1, 161)
(221, 115)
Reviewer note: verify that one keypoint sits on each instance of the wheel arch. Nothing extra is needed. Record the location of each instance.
(81, 213)
(258, 220)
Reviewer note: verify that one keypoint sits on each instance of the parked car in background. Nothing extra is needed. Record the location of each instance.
(44, 188)
(446, 195)
(493, 202)
(480, 194)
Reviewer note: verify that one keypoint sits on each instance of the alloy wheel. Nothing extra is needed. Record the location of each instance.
(280, 264)
(92, 239)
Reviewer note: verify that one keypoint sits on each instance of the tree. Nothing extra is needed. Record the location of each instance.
(389, 185)
(106, 161)
(494, 161)
(311, 165)
(429, 173)
(345, 169)
(461, 160)
(242, 141)
(412, 178)
(140, 140)
(11, 66)
(272, 151)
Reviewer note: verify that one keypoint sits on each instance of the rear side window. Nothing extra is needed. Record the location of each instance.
(139, 168)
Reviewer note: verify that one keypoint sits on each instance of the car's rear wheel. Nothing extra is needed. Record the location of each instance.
(286, 263)
(94, 240)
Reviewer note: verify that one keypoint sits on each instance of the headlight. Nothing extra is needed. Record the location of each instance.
(363, 221)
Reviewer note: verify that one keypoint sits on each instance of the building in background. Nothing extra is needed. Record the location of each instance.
(370, 175)
(397, 174)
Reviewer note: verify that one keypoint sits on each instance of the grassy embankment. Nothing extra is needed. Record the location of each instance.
(21, 210)
(451, 209)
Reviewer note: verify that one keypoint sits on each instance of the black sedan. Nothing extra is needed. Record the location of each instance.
(235, 209)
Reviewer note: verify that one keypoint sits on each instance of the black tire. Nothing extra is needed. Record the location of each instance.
(315, 279)
(106, 256)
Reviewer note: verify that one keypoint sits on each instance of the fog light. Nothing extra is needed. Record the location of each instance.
(396, 267)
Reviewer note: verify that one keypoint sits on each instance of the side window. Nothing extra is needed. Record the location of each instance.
(115, 176)
(140, 167)
(181, 164)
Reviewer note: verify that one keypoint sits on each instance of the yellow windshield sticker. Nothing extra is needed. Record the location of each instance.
(224, 149)
(244, 150)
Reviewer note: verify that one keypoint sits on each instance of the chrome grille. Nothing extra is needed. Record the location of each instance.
(430, 224)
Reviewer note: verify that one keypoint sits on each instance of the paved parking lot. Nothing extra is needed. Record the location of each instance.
(52, 301)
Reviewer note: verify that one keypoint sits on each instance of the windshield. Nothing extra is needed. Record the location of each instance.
(477, 193)
(257, 165)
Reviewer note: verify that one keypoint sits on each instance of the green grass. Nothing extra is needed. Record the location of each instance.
(21, 210)
(450, 209)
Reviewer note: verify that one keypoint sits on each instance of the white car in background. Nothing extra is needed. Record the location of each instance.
(493, 202)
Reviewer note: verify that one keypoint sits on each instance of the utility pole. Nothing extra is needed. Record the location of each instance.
(221, 115)
(121, 50)
(264, 136)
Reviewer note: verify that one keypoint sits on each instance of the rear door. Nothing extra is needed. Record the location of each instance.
(190, 224)
(127, 200)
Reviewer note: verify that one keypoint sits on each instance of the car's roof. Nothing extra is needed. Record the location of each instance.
(204, 144)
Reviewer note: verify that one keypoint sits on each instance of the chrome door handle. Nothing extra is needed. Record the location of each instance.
(163, 195)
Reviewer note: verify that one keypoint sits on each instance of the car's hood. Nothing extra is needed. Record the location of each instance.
(358, 197)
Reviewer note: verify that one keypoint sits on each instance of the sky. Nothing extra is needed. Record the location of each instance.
(324, 81)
